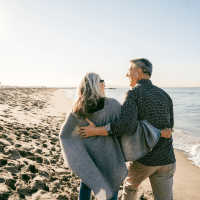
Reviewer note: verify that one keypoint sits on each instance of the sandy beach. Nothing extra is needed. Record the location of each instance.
(31, 164)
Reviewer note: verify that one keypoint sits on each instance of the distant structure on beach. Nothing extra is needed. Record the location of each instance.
(69, 87)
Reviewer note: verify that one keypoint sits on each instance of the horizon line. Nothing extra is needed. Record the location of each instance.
(107, 87)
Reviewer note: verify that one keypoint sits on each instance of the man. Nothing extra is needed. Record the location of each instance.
(144, 102)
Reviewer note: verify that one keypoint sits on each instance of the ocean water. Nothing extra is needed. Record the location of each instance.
(186, 136)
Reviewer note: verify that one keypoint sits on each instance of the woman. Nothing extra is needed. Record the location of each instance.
(98, 161)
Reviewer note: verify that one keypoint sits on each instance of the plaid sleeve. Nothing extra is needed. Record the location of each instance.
(171, 116)
(171, 125)
(128, 119)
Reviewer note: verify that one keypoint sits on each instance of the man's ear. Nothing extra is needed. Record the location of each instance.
(139, 71)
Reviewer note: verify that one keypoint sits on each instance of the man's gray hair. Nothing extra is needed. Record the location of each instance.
(143, 64)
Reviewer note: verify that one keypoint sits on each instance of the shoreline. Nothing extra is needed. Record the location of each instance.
(30, 120)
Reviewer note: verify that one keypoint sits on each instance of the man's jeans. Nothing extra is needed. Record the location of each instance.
(85, 193)
(161, 178)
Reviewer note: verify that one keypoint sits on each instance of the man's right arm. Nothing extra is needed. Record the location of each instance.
(126, 123)
(128, 119)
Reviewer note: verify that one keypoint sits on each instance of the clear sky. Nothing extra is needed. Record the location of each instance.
(55, 42)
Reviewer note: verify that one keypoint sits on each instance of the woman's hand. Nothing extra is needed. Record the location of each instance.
(88, 131)
(166, 133)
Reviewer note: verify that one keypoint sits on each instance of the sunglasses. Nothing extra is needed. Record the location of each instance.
(102, 81)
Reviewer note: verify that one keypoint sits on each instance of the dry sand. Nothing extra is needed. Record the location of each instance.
(31, 164)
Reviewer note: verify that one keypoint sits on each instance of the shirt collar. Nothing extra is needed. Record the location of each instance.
(144, 81)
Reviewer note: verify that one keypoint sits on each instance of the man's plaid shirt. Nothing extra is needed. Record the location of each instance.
(147, 102)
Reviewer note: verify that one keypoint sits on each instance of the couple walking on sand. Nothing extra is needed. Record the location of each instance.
(106, 143)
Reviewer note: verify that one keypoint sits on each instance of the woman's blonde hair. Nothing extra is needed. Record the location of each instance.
(88, 94)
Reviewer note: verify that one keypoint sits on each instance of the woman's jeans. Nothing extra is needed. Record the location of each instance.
(85, 192)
